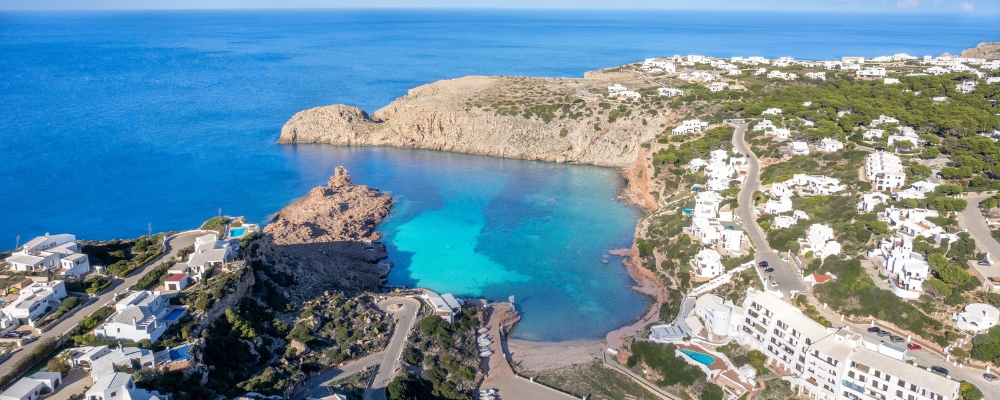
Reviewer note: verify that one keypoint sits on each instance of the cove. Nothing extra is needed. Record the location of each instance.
(493, 228)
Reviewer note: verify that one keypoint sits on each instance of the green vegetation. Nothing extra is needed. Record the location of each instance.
(217, 224)
(68, 304)
(712, 139)
(594, 381)
(441, 360)
(153, 277)
(663, 359)
(39, 353)
(968, 391)
(124, 257)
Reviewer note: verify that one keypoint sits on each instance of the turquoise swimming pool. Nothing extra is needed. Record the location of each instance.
(180, 353)
(173, 314)
(237, 232)
(699, 357)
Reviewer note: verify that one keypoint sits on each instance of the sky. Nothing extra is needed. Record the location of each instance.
(773, 5)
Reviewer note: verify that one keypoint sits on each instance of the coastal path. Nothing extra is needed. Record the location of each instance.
(317, 387)
(638, 379)
(500, 375)
(973, 219)
(170, 250)
(785, 273)
(406, 316)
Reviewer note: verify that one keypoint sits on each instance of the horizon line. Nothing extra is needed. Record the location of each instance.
(439, 8)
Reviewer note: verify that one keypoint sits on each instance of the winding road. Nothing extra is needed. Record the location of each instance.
(972, 219)
(174, 245)
(405, 317)
(786, 274)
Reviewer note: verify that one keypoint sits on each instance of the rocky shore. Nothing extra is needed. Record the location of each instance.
(328, 238)
(512, 117)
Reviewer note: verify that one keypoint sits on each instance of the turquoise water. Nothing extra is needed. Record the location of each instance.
(237, 232)
(174, 314)
(185, 106)
(699, 357)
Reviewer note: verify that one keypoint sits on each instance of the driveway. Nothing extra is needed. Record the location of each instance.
(785, 273)
(172, 247)
(499, 374)
(974, 220)
(405, 317)
(317, 387)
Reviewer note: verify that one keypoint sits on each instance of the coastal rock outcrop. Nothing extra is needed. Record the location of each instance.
(328, 239)
(987, 50)
(513, 117)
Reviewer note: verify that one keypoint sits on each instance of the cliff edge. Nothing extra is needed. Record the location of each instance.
(513, 117)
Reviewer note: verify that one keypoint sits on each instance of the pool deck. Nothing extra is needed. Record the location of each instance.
(715, 366)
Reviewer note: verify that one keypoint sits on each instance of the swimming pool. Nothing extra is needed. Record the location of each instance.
(237, 232)
(173, 314)
(180, 353)
(687, 210)
(699, 357)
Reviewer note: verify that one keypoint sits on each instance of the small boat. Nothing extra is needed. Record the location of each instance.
(487, 392)
(485, 353)
(483, 330)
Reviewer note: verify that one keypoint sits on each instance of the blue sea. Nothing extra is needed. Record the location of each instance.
(114, 120)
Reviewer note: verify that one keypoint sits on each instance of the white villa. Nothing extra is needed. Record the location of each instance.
(872, 72)
(870, 200)
(33, 302)
(815, 184)
(613, 90)
(890, 81)
(778, 206)
(707, 263)
(669, 92)
(829, 145)
(771, 111)
(32, 387)
(966, 87)
(763, 125)
(873, 134)
(907, 270)
(690, 126)
(820, 241)
(779, 133)
(799, 148)
(832, 364)
(882, 119)
(884, 170)
(816, 75)
(718, 86)
(139, 316)
(120, 386)
(976, 318)
(209, 252)
(50, 253)
(905, 133)
(918, 190)
(785, 221)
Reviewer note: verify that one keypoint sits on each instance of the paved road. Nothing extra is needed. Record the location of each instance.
(499, 374)
(317, 387)
(785, 273)
(405, 317)
(974, 220)
(173, 246)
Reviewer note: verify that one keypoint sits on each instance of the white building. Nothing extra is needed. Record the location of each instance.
(771, 111)
(721, 318)
(815, 184)
(31, 388)
(718, 86)
(829, 145)
(976, 318)
(706, 204)
(906, 269)
(33, 302)
(873, 134)
(890, 81)
(138, 316)
(669, 92)
(870, 200)
(966, 87)
(209, 252)
(690, 126)
(799, 148)
(905, 133)
(884, 171)
(918, 190)
(820, 241)
(763, 125)
(786, 221)
(872, 72)
(781, 134)
(50, 253)
(120, 386)
(613, 90)
(445, 306)
(778, 206)
(108, 360)
(832, 364)
(707, 263)
(816, 75)
(882, 119)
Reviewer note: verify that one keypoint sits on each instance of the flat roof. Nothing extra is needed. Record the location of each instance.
(176, 278)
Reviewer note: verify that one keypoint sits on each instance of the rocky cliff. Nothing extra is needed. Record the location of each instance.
(328, 239)
(514, 117)
(987, 50)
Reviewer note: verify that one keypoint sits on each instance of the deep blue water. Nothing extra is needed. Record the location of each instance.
(112, 120)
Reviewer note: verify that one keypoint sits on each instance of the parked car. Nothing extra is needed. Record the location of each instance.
(874, 329)
(768, 270)
(940, 370)
(896, 339)
(762, 264)
(990, 377)
(774, 283)
(984, 263)
(884, 333)
(914, 346)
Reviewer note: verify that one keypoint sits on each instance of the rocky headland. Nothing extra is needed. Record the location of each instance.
(986, 50)
(512, 117)
(328, 238)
